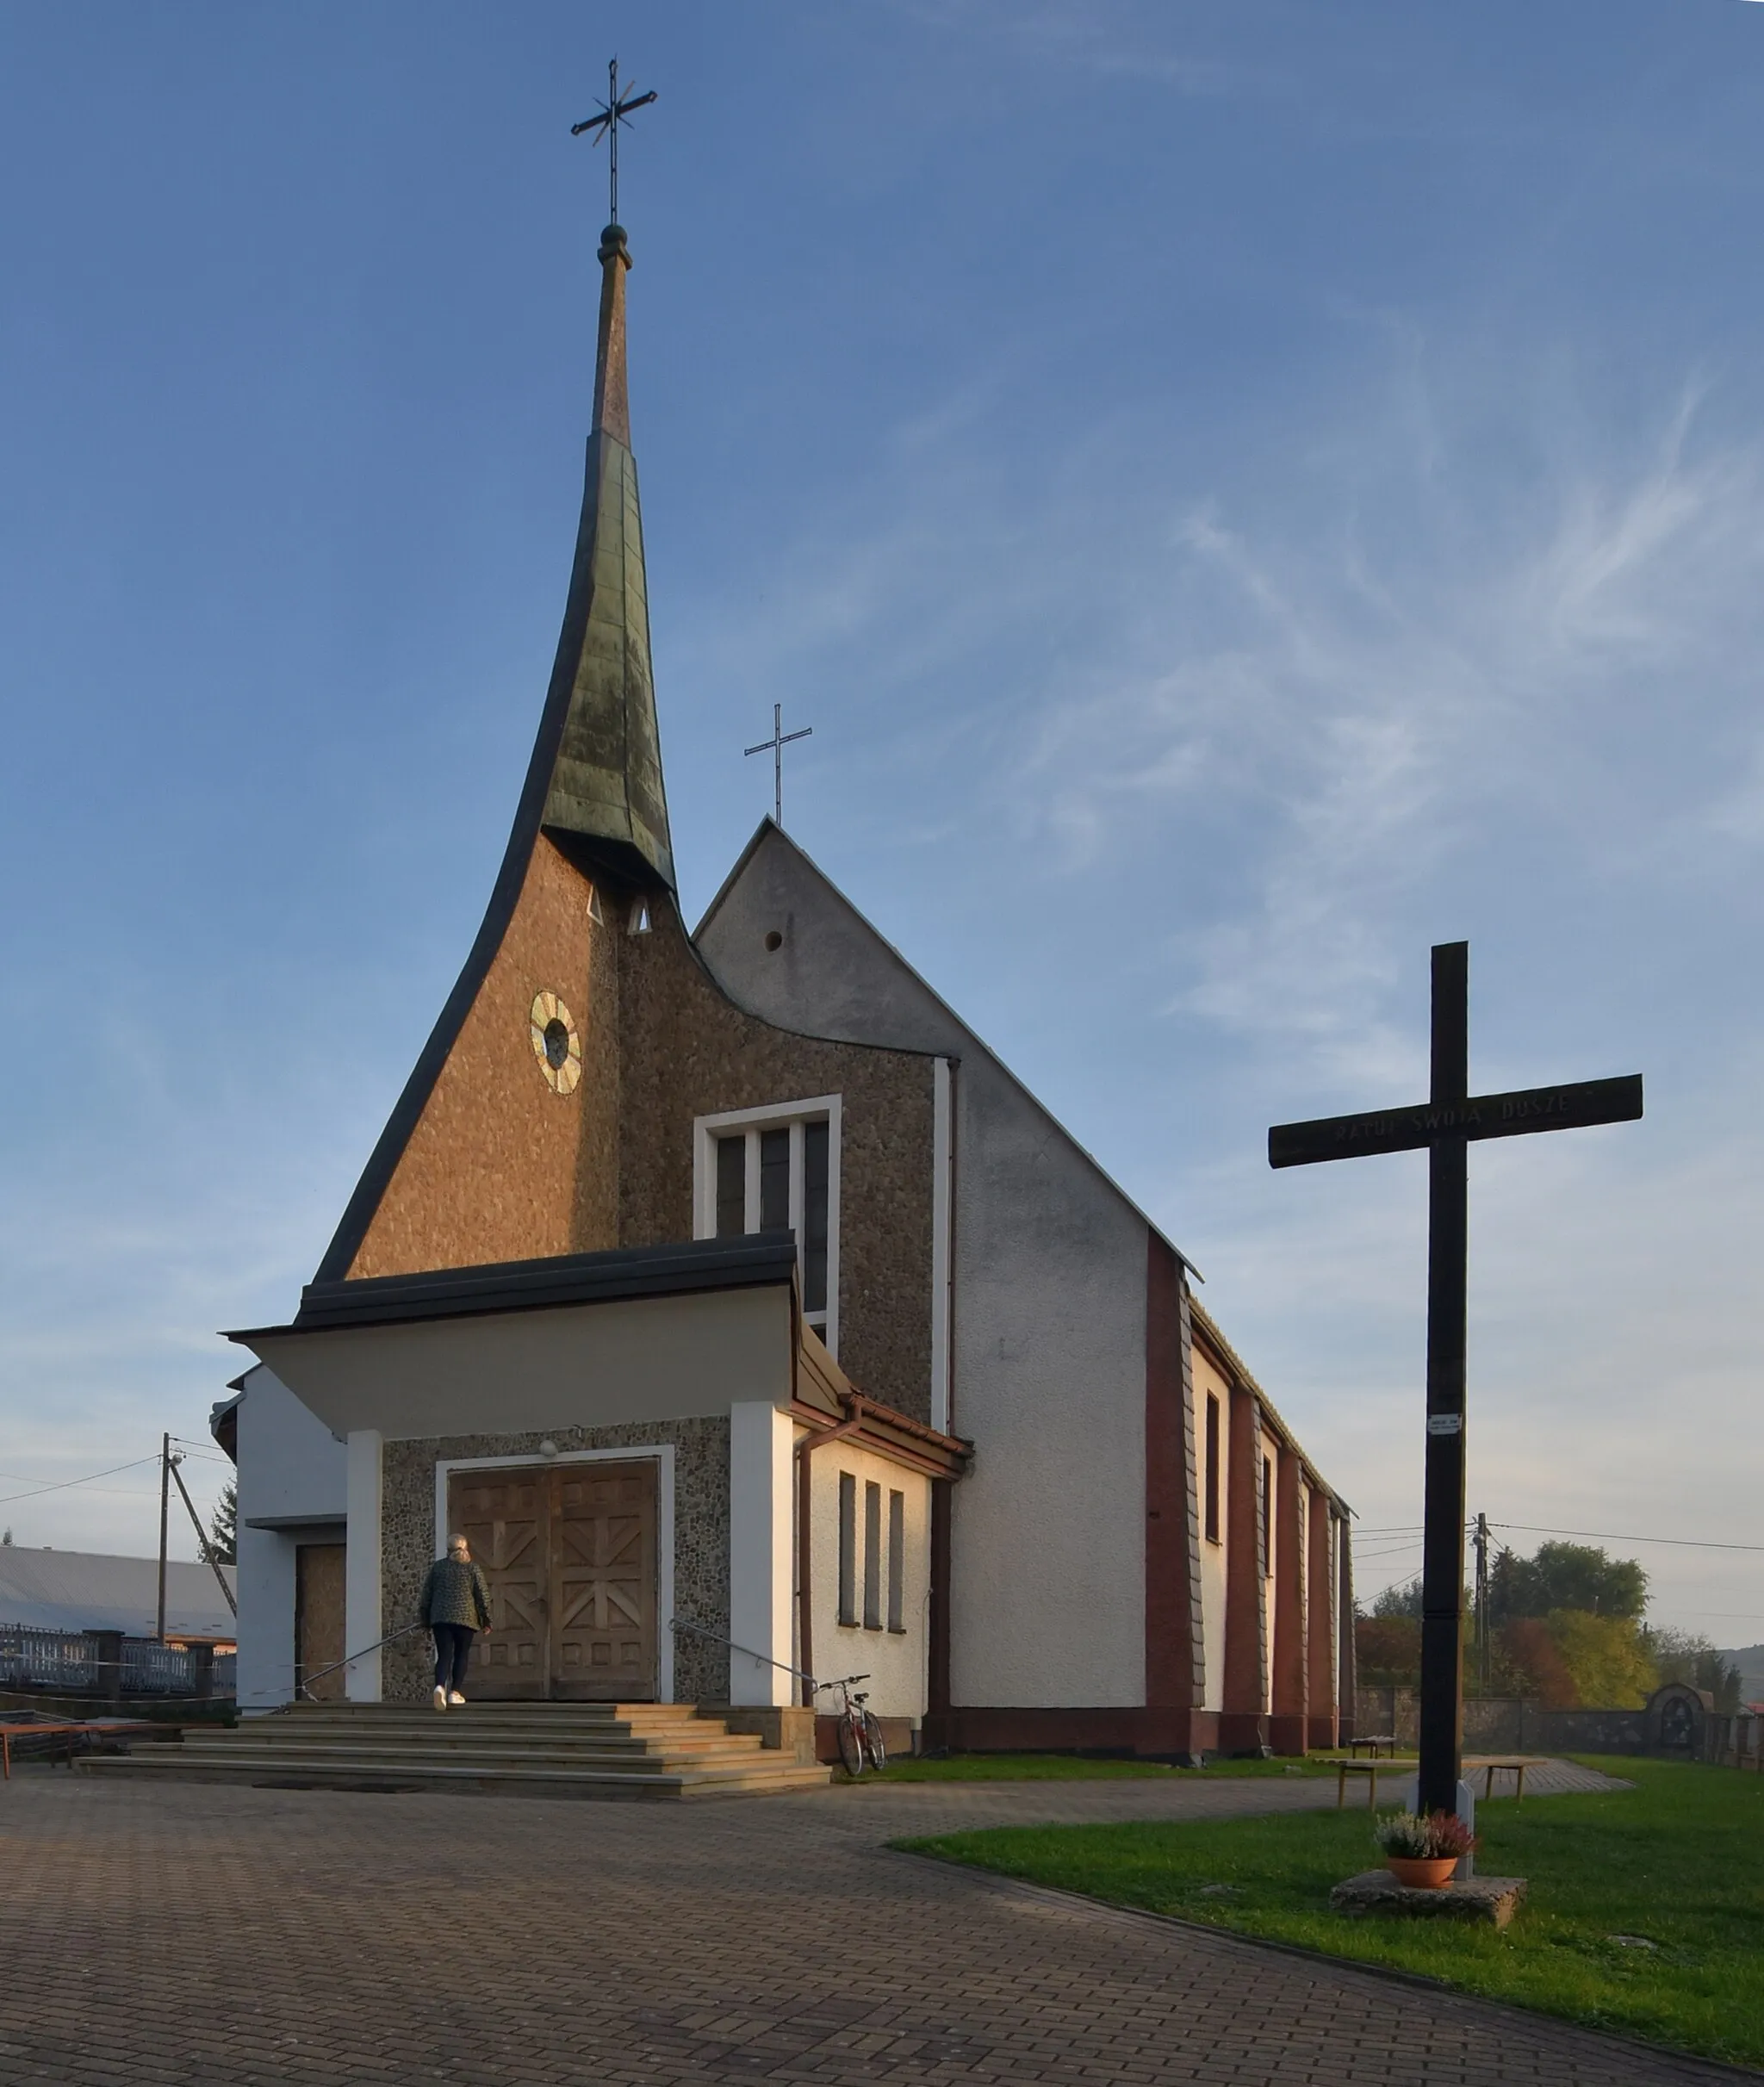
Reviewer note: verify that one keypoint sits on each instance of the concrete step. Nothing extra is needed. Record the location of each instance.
(548, 1750)
(319, 1752)
(436, 1731)
(396, 1773)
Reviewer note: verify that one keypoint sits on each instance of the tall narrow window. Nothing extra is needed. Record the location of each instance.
(774, 1180)
(814, 1231)
(776, 1169)
(1212, 1468)
(872, 1557)
(731, 1187)
(897, 1562)
(847, 1548)
(1267, 1516)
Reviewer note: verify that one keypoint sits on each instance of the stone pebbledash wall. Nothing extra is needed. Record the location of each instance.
(700, 1538)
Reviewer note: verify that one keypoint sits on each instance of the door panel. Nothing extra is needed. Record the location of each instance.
(319, 1581)
(603, 1560)
(568, 1551)
(503, 1515)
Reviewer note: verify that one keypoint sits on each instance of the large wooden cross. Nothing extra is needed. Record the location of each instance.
(1445, 1124)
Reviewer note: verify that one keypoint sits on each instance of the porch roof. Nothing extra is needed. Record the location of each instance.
(622, 1273)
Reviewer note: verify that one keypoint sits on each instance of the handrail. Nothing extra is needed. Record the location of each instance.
(307, 1680)
(676, 1623)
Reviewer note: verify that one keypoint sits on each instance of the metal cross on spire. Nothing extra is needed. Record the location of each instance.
(614, 110)
(777, 743)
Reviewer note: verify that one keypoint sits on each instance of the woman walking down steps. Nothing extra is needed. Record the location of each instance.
(455, 1605)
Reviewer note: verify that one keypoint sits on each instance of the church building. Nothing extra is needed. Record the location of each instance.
(754, 1324)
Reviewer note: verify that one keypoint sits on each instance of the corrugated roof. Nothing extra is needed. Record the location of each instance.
(83, 1590)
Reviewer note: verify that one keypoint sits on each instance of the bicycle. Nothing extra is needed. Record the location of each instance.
(859, 1728)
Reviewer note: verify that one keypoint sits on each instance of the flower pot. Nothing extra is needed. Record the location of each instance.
(1422, 1872)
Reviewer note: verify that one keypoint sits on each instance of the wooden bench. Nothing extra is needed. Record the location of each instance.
(1345, 1768)
(1375, 1741)
(1515, 1769)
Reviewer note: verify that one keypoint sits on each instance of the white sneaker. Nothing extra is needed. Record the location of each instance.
(440, 1699)
(456, 1696)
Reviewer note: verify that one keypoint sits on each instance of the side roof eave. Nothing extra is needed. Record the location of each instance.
(1233, 1366)
(769, 828)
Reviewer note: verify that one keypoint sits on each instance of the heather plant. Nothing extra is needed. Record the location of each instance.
(1414, 1836)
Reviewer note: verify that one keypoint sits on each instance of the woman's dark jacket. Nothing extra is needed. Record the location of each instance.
(454, 1593)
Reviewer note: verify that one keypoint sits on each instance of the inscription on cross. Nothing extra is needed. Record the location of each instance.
(1446, 1125)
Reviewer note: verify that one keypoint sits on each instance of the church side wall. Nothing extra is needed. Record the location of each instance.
(1047, 1530)
(700, 1537)
(690, 1051)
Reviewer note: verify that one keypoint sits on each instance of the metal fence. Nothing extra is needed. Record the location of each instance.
(105, 1663)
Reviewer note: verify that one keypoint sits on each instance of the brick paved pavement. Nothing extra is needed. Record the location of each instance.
(217, 1937)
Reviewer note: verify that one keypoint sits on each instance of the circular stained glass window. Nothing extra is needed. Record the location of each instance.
(556, 1044)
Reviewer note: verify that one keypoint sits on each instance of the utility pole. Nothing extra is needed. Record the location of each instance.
(164, 1508)
(1482, 1602)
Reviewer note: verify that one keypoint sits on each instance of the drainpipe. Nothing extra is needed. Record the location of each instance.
(805, 1449)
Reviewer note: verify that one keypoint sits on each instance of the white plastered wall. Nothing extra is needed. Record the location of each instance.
(291, 1466)
(761, 1554)
(1207, 1380)
(897, 1662)
(1047, 1370)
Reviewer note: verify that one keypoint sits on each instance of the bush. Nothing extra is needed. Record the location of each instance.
(1388, 1651)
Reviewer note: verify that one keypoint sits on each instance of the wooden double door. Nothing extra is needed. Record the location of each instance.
(568, 1550)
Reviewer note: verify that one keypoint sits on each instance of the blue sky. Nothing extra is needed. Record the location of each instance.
(1240, 491)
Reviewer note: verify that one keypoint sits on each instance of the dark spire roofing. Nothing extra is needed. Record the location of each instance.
(594, 781)
(599, 753)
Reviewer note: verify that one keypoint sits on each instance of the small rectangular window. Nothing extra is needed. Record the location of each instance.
(872, 1557)
(1267, 1517)
(814, 1238)
(1212, 1468)
(774, 1180)
(847, 1548)
(897, 1562)
(731, 1186)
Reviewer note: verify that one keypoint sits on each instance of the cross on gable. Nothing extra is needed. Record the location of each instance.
(1445, 1126)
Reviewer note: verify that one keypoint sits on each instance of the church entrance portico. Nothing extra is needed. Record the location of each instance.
(570, 1549)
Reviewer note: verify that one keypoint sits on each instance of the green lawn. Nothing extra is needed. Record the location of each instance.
(1080, 1768)
(1678, 1862)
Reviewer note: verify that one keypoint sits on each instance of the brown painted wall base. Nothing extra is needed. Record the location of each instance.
(1286, 1732)
(1322, 1732)
(897, 1737)
(1242, 1732)
(1156, 1734)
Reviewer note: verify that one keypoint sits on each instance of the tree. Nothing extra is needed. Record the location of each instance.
(1681, 1656)
(1388, 1651)
(1399, 1601)
(1606, 1657)
(1565, 1577)
(222, 1546)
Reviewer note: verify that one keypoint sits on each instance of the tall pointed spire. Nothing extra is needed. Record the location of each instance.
(599, 744)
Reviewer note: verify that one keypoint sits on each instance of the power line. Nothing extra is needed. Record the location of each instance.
(7, 1498)
(1609, 1536)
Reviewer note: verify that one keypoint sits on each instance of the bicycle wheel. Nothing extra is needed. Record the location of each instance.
(851, 1747)
(872, 1741)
